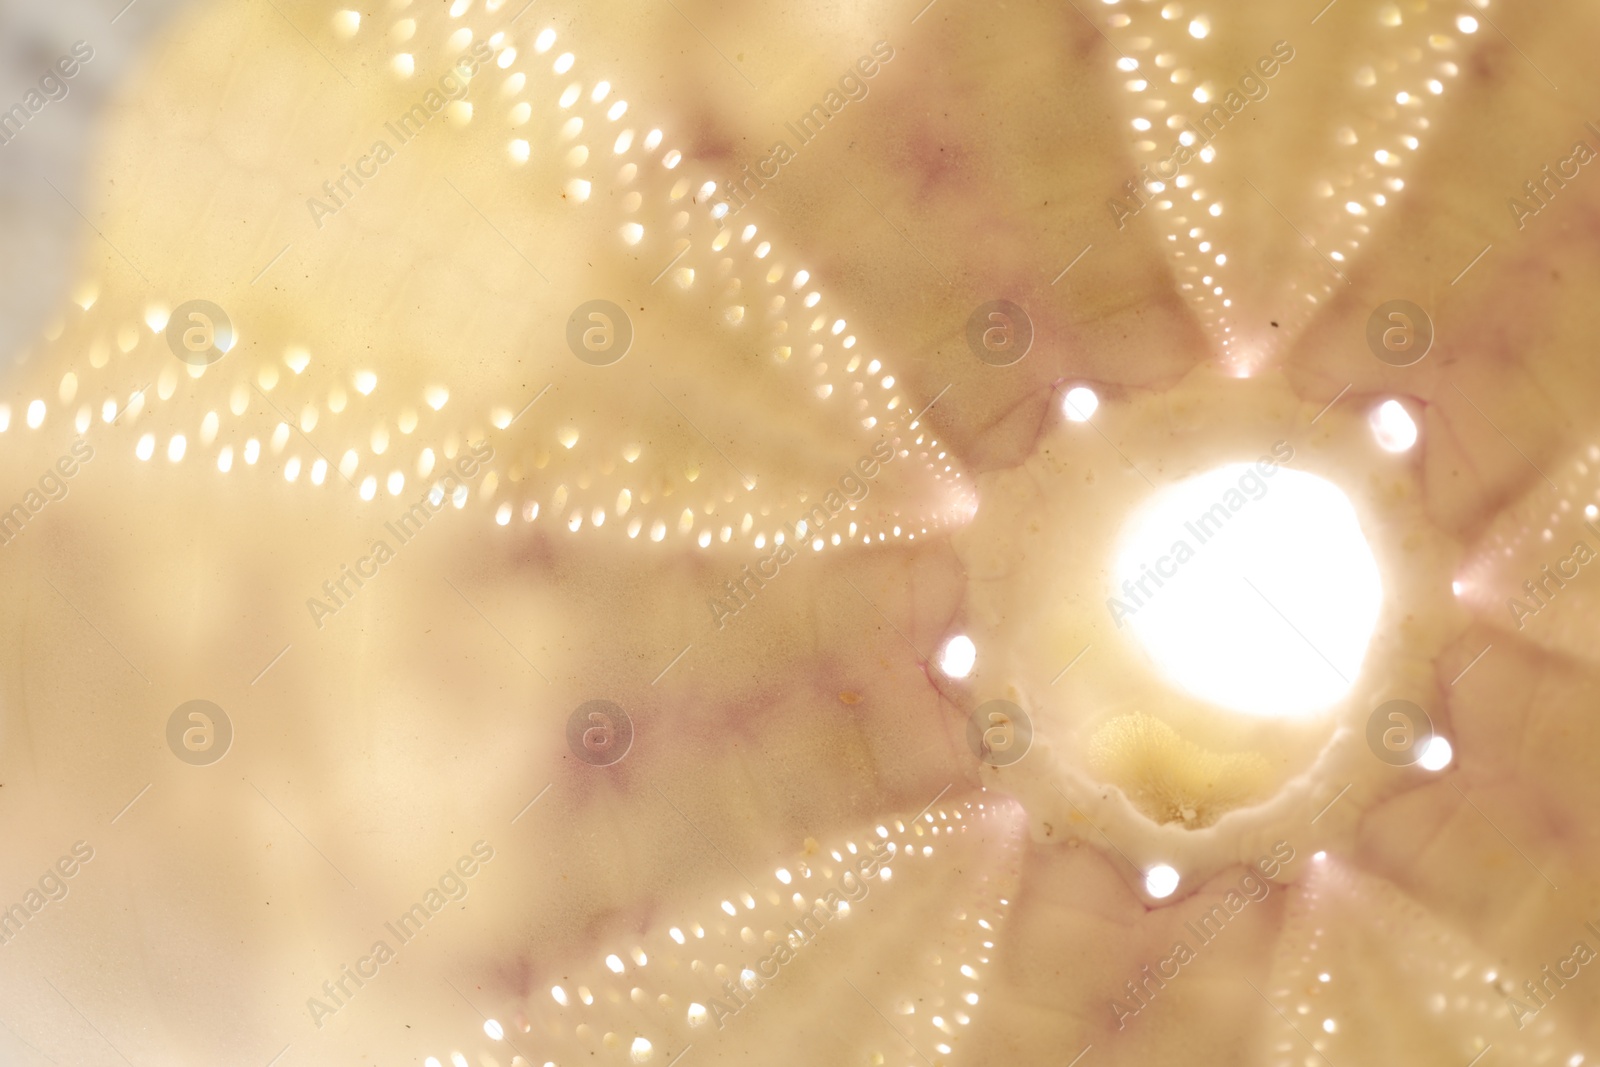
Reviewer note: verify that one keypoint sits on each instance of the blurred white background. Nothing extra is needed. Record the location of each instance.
(41, 230)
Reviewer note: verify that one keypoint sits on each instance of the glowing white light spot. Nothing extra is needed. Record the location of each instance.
(1467, 24)
(1392, 426)
(1080, 404)
(958, 656)
(1160, 881)
(1213, 576)
(1319, 856)
(1199, 27)
(493, 1029)
(641, 1051)
(1437, 756)
(366, 382)
(35, 414)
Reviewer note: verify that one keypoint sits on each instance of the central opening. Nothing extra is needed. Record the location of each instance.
(1250, 586)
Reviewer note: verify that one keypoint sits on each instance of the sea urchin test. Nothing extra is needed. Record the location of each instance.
(1251, 586)
(244, 882)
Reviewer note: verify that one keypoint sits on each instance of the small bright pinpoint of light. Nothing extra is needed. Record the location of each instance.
(1392, 426)
(1437, 756)
(1080, 404)
(493, 1028)
(1467, 24)
(958, 656)
(1320, 856)
(1160, 881)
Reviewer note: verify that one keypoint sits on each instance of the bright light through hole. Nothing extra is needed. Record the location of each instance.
(1160, 881)
(1251, 586)
(958, 656)
(1392, 426)
(1437, 756)
(1080, 404)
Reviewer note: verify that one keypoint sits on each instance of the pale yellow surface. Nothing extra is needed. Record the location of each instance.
(425, 321)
